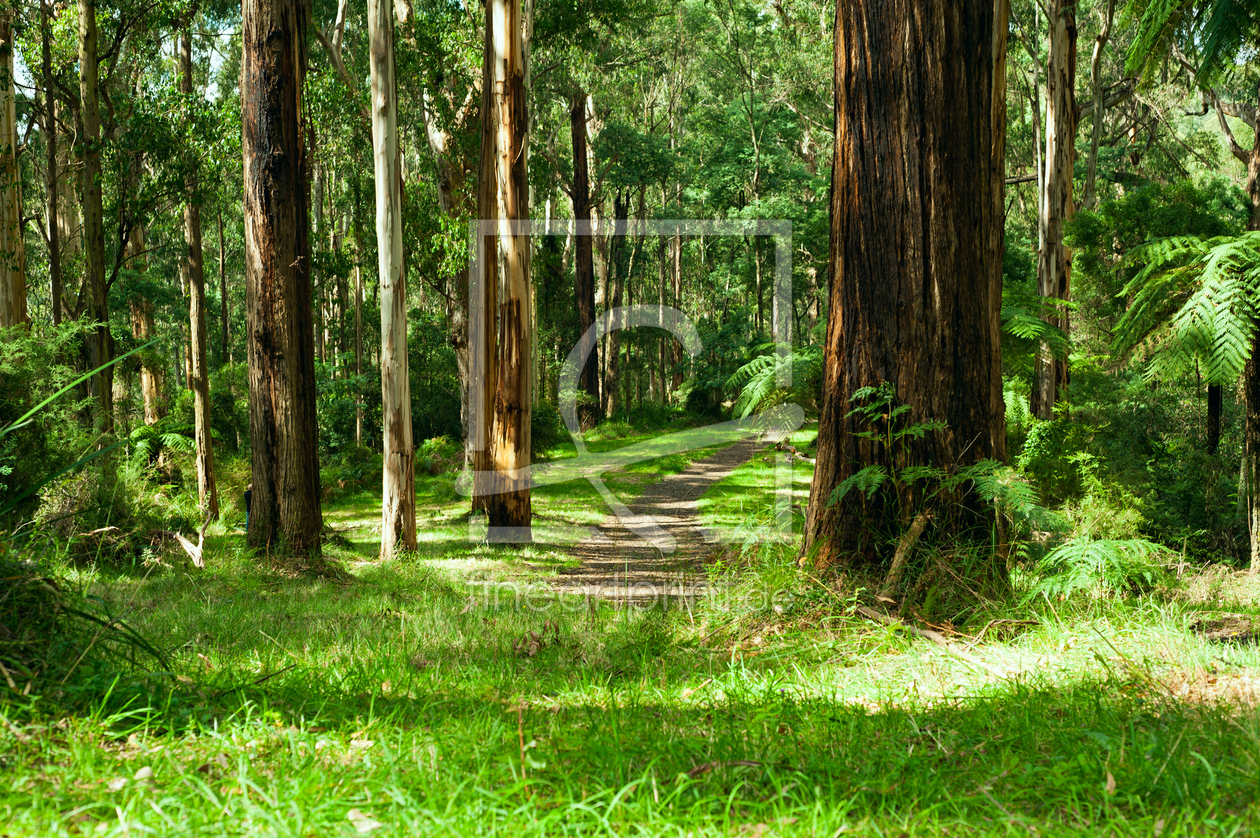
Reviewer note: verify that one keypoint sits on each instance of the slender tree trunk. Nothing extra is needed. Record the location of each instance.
(1090, 198)
(358, 314)
(912, 264)
(12, 249)
(285, 505)
(617, 266)
(584, 257)
(1054, 262)
(509, 507)
(398, 504)
(100, 344)
(225, 333)
(207, 491)
(1214, 404)
(50, 142)
(142, 329)
(1251, 376)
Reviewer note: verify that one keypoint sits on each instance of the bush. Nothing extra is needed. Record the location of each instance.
(350, 470)
(546, 429)
(439, 455)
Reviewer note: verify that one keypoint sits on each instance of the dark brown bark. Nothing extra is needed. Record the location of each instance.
(483, 331)
(100, 344)
(912, 264)
(583, 257)
(1251, 378)
(12, 247)
(285, 506)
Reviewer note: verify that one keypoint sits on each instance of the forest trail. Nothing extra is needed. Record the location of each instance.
(620, 565)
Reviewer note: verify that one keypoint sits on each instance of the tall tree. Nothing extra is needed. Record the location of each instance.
(398, 504)
(1054, 261)
(508, 505)
(50, 145)
(207, 492)
(100, 342)
(913, 260)
(280, 334)
(584, 258)
(12, 250)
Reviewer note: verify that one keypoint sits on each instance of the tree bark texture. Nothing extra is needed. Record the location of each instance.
(225, 329)
(584, 257)
(12, 249)
(207, 491)
(99, 342)
(913, 264)
(50, 142)
(398, 504)
(483, 328)
(509, 505)
(285, 506)
(1054, 261)
(1251, 378)
(142, 329)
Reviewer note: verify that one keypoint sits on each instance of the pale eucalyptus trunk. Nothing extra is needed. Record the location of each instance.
(50, 142)
(207, 491)
(509, 505)
(398, 504)
(1054, 261)
(1090, 198)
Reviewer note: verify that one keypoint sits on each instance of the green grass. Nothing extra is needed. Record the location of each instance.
(415, 700)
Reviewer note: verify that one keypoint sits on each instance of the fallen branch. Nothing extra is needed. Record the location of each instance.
(904, 545)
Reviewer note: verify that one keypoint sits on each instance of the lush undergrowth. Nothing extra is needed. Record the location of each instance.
(418, 699)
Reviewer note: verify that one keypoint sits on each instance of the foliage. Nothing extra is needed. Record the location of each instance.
(1101, 567)
(757, 381)
(1202, 296)
(148, 441)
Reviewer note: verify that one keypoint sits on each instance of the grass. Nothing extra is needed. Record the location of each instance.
(416, 701)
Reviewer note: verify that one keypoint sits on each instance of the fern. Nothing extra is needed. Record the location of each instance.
(148, 441)
(1212, 34)
(1027, 325)
(1101, 567)
(758, 379)
(1198, 299)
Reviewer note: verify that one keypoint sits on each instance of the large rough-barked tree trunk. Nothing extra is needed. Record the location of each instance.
(1251, 373)
(915, 264)
(12, 249)
(1054, 262)
(584, 256)
(285, 506)
(398, 504)
(207, 492)
(99, 342)
(508, 507)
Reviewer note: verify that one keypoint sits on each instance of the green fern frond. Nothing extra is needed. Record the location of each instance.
(1101, 566)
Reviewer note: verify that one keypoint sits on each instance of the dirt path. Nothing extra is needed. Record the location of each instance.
(619, 564)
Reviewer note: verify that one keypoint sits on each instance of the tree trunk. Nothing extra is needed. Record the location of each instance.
(398, 504)
(50, 142)
(1214, 404)
(617, 267)
(142, 328)
(1090, 198)
(584, 257)
(508, 508)
(483, 311)
(1251, 376)
(99, 342)
(1054, 262)
(285, 505)
(358, 312)
(225, 333)
(12, 249)
(207, 492)
(912, 264)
